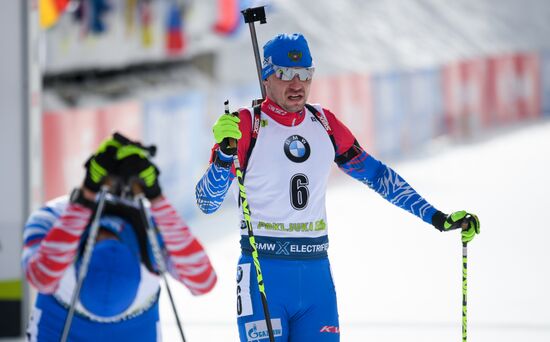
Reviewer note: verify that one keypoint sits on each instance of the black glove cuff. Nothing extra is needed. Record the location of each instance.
(438, 220)
(90, 184)
(226, 149)
(78, 198)
(222, 163)
(152, 192)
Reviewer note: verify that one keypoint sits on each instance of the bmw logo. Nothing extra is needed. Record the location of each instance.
(239, 274)
(297, 148)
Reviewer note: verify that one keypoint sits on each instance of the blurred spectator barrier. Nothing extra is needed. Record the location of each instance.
(545, 75)
(391, 114)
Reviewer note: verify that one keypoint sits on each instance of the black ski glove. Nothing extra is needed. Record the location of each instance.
(469, 223)
(100, 164)
(134, 165)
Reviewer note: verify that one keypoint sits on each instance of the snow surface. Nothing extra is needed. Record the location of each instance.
(399, 279)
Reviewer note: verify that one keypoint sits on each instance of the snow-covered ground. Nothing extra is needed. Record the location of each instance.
(397, 278)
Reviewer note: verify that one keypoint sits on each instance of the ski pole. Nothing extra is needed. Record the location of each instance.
(465, 226)
(88, 249)
(464, 291)
(252, 15)
(251, 239)
(155, 246)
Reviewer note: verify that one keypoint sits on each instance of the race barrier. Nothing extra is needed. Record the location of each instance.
(491, 92)
(545, 82)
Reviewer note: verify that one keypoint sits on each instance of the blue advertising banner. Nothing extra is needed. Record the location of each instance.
(389, 110)
(408, 107)
(424, 106)
(176, 126)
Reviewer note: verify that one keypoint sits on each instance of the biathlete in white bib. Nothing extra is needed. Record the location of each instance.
(286, 148)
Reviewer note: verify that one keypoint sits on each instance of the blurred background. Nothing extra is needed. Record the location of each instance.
(403, 75)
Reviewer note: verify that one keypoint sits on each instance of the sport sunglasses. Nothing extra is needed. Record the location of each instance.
(288, 73)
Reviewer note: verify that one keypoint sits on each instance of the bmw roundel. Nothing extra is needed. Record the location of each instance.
(297, 148)
(239, 274)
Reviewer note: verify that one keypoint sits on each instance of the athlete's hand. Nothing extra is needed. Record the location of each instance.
(469, 223)
(100, 164)
(227, 127)
(134, 164)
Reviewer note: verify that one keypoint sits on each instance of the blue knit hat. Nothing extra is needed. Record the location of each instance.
(286, 50)
(114, 274)
(112, 281)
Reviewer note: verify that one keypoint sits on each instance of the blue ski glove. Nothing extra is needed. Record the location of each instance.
(469, 223)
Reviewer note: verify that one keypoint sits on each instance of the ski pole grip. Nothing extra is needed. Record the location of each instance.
(151, 149)
(254, 14)
(466, 222)
(464, 226)
(232, 142)
(250, 16)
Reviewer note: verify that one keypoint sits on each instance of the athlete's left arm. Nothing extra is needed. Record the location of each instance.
(356, 162)
(187, 260)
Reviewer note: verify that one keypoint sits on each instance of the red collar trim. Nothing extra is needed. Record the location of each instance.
(282, 116)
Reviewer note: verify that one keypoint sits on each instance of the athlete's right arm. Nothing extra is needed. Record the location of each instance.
(52, 233)
(51, 237)
(212, 188)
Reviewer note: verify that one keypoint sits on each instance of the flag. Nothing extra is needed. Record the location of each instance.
(229, 16)
(175, 40)
(50, 11)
